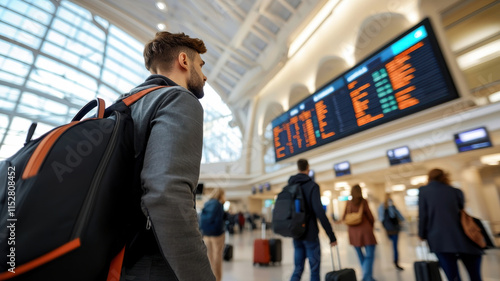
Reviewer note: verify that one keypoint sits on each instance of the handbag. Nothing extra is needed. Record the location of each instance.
(354, 218)
(471, 229)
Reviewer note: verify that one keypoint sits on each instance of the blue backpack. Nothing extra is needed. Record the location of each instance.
(212, 218)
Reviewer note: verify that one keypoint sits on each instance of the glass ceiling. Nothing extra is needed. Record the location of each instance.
(56, 56)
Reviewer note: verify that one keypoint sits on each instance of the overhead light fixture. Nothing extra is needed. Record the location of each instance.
(312, 26)
(494, 97)
(412, 192)
(161, 6)
(479, 55)
(398, 187)
(341, 185)
(491, 159)
(418, 180)
(345, 193)
(161, 26)
(327, 193)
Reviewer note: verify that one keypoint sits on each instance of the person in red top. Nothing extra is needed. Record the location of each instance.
(361, 235)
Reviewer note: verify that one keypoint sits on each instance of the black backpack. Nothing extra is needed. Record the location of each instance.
(70, 200)
(390, 224)
(289, 213)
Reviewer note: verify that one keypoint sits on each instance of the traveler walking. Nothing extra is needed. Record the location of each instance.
(212, 226)
(439, 206)
(390, 217)
(361, 232)
(308, 245)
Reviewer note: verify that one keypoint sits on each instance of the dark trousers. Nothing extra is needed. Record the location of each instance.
(310, 250)
(394, 239)
(448, 263)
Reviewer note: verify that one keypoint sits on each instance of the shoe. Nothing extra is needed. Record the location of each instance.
(399, 267)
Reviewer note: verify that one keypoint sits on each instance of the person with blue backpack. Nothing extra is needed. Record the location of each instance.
(212, 228)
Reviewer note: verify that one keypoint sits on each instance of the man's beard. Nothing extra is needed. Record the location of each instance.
(195, 84)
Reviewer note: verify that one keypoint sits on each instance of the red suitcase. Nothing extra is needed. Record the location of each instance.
(261, 253)
(261, 249)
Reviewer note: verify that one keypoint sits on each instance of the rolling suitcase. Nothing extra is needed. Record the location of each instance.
(261, 251)
(427, 270)
(275, 250)
(346, 274)
(227, 255)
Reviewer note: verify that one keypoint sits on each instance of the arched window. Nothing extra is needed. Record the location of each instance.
(221, 143)
(56, 56)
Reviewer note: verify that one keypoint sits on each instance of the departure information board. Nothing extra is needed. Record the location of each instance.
(405, 76)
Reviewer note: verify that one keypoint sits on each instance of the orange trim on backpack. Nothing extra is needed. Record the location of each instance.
(135, 97)
(115, 268)
(101, 108)
(36, 160)
(50, 256)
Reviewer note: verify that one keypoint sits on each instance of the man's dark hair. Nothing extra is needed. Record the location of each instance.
(302, 165)
(166, 46)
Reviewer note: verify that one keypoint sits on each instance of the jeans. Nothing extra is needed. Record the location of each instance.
(448, 263)
(310, 250)
(366, 260)
(394, 239)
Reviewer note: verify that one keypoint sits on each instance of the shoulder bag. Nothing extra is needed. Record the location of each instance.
(354, 218)
(471, 229)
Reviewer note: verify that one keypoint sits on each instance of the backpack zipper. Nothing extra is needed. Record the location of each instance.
(89, 200)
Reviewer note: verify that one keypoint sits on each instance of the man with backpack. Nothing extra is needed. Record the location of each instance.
(308, 246)
(168, 129)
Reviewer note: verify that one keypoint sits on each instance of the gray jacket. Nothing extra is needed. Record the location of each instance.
(168, 125)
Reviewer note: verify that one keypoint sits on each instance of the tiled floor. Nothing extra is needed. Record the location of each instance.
(241, 268)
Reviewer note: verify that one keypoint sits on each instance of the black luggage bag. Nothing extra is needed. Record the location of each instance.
(346, 274)
(228, 252)
(275, 250)
(427, 270)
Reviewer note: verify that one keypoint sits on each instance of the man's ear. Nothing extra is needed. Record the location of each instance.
(182, 59)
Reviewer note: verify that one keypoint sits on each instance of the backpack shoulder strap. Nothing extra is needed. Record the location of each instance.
(123, 104)
(128, 101)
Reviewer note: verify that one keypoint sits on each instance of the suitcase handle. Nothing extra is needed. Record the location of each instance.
(338, 257)
(426, 249)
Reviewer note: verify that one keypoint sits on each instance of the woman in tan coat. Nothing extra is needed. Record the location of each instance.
(361, 235)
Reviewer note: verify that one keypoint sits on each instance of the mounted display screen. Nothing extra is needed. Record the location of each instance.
(472, 139)
(399, 155)
(342, 169)
(405, 76)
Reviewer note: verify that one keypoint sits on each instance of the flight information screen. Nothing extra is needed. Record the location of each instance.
(405, 76)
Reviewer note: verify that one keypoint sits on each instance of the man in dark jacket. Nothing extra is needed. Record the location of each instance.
(168, 129)
(308, 245)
